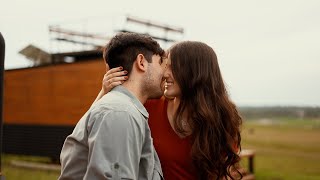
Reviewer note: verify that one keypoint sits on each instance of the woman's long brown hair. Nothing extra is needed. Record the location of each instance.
(213, 119)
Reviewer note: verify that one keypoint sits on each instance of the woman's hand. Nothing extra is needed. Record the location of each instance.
(114, 77)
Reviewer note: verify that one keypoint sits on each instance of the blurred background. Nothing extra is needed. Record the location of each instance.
(267, 52)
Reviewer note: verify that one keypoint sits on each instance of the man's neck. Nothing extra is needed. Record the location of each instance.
(135, 89)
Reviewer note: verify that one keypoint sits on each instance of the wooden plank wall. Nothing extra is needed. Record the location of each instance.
(51, 95)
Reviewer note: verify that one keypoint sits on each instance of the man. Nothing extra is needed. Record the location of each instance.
(112, 140)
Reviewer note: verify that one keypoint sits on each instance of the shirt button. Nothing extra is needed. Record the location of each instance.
(116, 166)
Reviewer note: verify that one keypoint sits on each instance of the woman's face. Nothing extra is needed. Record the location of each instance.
(172, 88)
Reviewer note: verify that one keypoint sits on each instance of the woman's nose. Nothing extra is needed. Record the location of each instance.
(166, 73)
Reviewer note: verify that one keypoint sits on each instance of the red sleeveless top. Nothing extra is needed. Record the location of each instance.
(173, 151)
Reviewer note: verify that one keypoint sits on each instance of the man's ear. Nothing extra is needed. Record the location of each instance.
(141, 63)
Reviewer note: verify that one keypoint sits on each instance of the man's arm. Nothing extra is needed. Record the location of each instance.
(74, 152)
(115, 144)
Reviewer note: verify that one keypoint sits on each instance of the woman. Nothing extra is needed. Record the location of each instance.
(195, 126)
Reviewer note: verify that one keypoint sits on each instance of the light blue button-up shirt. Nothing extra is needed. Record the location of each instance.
(111, 141)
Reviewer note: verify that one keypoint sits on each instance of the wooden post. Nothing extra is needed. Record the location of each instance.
(250, 155)
(2, 53)
(251, 165)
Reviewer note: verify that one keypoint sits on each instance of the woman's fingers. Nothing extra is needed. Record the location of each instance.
(109, 84)
(115, 79)
(115, 74)
(113, 70)
(114, 84)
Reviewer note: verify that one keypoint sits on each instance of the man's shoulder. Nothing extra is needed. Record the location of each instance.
(116, 101)
(117, 105)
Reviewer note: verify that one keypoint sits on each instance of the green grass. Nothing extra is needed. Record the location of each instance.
(285, 149)
(11, 172)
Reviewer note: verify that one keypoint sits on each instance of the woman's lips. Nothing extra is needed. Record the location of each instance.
(166, 84)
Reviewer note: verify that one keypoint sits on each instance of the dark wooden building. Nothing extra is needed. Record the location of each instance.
(43, 104)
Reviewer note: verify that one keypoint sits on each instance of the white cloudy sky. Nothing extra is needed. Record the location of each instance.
(268, 50)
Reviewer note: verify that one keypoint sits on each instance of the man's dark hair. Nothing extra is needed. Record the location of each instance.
(123, 49)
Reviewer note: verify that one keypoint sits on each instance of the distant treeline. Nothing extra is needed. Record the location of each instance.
(280, 111)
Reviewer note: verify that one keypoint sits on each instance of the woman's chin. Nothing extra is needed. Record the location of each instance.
(167, 95)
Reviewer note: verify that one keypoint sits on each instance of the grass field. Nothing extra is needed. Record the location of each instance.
(12, 172)
(285, 149)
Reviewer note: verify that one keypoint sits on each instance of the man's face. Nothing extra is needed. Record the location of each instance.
(154, 81)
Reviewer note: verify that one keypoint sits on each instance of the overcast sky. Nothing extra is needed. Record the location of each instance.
(268, 51)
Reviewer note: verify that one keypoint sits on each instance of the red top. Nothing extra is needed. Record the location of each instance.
(173, 151)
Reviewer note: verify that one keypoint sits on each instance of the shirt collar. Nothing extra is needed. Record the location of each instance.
(133, 99)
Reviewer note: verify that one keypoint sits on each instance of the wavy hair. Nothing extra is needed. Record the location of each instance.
(212, 117)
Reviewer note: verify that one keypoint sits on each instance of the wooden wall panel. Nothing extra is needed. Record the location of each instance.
(51, 95)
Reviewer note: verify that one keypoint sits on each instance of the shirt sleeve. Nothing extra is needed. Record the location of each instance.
(74, 152)
(115, 142)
